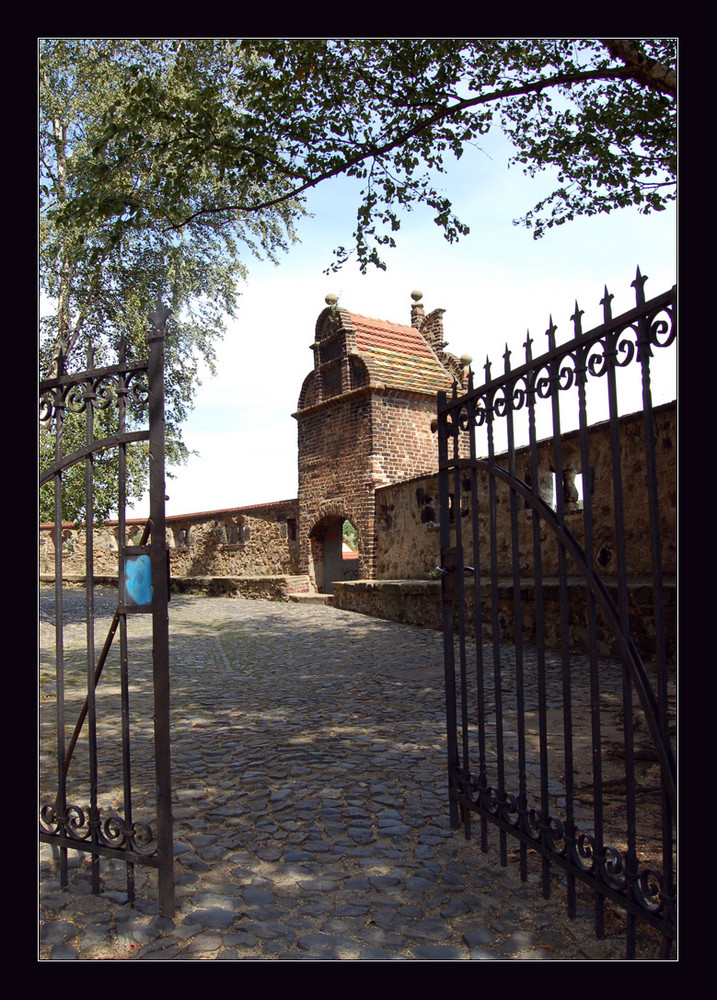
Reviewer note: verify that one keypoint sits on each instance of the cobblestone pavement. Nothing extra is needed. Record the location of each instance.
(310, 808)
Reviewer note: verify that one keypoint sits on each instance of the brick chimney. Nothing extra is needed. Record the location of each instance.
(431, 326)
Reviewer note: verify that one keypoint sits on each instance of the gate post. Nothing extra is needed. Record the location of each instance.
(160, 618)
(447, 594)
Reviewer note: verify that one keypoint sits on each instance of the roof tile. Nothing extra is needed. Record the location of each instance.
(399, 355)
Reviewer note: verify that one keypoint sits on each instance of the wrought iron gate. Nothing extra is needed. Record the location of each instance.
(142, 588)
(549, 737)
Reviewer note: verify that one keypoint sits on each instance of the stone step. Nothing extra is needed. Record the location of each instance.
(311, 598)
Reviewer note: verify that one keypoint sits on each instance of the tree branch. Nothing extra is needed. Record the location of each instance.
(648, 71)
(444, 114)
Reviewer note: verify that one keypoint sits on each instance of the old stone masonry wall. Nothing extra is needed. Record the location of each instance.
(406, 587)
(407, 513)
(237, 542)
(254, 546)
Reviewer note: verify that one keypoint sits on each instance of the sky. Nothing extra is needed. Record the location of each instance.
(495, 284)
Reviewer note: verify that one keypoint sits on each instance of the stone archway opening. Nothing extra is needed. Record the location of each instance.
(334, 552)
(349, 551)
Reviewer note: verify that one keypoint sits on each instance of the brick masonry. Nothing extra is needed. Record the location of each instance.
(364, 421)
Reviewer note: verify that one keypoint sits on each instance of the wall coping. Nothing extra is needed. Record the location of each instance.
(431, 586)
(173, 518)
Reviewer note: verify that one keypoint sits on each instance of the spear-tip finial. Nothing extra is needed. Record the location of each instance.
(159, 316)
(639, 285)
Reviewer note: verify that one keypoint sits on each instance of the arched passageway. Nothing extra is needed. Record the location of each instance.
(334, 553)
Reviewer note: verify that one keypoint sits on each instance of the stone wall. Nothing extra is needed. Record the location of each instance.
(254, 551)
(418, 602)
(407, 513)
(264, 540)
(408, 546)
(256, 541)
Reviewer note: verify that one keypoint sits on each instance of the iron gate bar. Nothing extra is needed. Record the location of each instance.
(160, 618)
(460, 570)
(554, 380)
(651, 308)
(565, 648)
(598, 827)
(94, 821)
(517, 629)
(96, 375)
(644, 355)
(113, 441)
(627, 714)
(478, 618)
(121, 618)
(518, 632)
(497, 692)
(541, 661)
(49, 387)
(448, 578)
(498, 397)
(61, 800)
(505, 825)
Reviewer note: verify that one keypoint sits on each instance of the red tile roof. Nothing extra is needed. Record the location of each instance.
(398, 355)
(388, 336)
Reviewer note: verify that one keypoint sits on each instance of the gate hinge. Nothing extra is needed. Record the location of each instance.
(449, 562)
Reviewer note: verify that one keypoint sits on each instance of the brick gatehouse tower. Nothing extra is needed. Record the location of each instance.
(364, 421)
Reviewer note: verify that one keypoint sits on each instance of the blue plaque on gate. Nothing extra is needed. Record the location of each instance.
(137, 581)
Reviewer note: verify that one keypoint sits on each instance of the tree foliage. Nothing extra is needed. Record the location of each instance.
(165, 163)
(392, 113)
(107, 252)
(349, 536)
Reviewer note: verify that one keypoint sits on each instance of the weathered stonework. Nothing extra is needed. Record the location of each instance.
(408, 548)
(238, 542)
(418, 602)
(407, 513)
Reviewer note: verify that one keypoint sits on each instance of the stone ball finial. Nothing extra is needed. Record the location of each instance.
(416, 296)
(465, 360)
(331, 299)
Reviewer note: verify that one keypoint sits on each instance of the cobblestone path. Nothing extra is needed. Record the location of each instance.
(310, 808)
